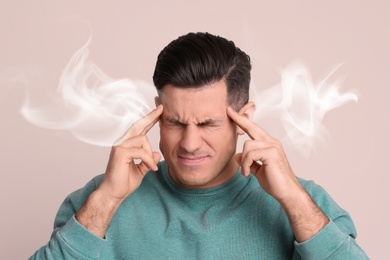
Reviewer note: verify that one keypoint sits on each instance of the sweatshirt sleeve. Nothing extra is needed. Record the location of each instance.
(69, 239)
(337, 239)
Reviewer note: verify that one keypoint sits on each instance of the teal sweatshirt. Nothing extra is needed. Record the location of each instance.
(236, 220)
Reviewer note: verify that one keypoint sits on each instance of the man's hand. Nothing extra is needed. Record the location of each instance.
(264, 156)
(123, 175)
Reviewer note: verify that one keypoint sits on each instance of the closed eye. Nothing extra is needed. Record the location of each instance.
(209, 123)
(206, 123)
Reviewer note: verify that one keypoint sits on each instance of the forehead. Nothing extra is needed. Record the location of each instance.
(207, 102)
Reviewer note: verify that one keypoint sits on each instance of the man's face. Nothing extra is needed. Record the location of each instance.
(197, 138)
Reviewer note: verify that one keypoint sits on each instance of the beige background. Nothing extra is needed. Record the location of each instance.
(39, 167)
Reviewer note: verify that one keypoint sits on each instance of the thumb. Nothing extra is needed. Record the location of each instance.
(156, 157)
(238, 158)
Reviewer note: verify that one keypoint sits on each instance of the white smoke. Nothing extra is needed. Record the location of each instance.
(97, 109)
(93, 107)
(301, 105)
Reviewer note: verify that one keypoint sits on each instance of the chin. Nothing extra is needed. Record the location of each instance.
(193, 180)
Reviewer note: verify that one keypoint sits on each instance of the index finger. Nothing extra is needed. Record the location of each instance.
(142, 126)
(254, 131)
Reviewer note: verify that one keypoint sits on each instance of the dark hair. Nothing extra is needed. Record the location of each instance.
(199, 59)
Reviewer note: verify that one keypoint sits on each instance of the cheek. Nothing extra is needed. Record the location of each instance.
(169, 137)
(223, 137)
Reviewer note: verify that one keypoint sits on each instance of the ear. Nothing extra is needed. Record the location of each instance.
(157, 101)
(248, 111)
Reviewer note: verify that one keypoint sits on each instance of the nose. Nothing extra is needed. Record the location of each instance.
(191, 139)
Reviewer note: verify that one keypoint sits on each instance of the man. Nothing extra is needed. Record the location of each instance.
(204, 201)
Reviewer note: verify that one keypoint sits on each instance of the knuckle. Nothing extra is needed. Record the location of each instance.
(117, 151)
(278, 143)
(251, 154)
(275, 151)
(248, 144)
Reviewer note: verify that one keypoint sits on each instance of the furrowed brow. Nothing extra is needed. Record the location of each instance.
(175, 121)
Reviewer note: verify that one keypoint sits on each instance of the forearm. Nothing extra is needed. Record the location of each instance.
(306, 218)
(96, 213)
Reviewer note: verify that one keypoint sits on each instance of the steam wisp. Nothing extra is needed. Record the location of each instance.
(301, 105)
(93, 107)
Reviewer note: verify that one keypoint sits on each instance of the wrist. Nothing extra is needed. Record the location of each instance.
(305, 217)
(104, 194)
(296, 197)
(97, 212)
